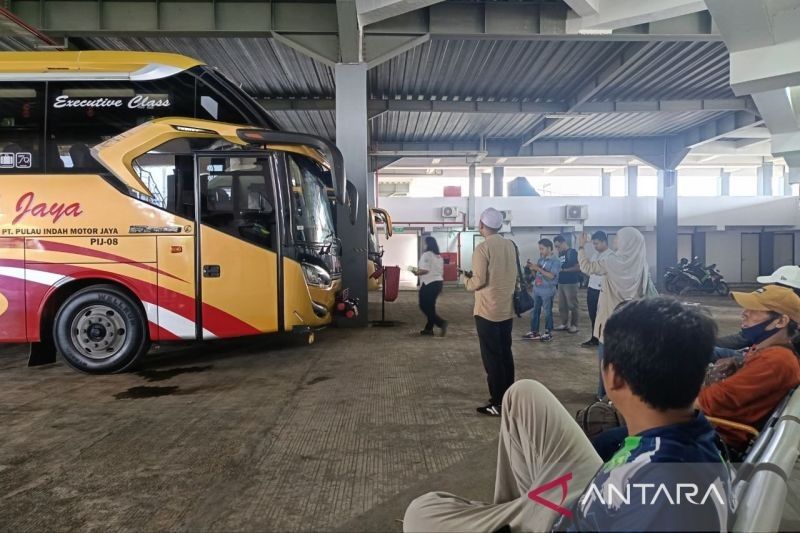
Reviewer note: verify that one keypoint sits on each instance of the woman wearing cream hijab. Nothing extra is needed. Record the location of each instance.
(626, 275)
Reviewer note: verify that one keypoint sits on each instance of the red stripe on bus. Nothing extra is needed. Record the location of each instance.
(219, 322)
(51, 246)
(163, 334)
(12, 242)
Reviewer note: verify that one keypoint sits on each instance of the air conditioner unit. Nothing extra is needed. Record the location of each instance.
(506, 215)
(576, 212)
(450, 211)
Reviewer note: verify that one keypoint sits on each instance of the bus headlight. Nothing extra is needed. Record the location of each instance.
(316, 275)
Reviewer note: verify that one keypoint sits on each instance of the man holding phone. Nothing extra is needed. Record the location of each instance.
(543, 275)
(493, 280)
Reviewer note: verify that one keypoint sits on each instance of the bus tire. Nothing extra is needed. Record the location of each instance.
(100, 330)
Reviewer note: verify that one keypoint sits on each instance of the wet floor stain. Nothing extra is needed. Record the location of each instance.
(169, 373)
(319, 379)
(136, 393)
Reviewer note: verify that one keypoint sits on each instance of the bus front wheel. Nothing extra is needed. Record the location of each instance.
(100, 330)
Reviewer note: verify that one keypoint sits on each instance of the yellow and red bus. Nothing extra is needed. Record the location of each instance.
(146, 199)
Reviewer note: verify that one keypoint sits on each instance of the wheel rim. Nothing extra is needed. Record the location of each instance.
(99, 332)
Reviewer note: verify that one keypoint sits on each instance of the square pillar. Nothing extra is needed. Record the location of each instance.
(471, 217)
(766, 253)
(699, 245)
(724, 183)
(666, 222)
(632, 176)
(498, 173)
(352, 139)
(486, 184)
(372, 188)
(764, 174)
(605, 177)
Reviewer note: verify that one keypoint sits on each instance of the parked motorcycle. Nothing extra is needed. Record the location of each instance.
(692, 275)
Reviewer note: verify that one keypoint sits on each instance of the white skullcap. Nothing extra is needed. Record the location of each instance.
(492, 218)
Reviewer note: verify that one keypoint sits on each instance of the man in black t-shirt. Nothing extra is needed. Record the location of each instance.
(568, 282)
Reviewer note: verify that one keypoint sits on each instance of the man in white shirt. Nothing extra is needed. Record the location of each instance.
(598, 250)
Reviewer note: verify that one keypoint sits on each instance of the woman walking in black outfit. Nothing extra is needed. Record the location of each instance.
(430, 273)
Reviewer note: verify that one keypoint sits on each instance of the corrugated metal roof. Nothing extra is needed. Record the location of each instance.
(433, 126)
(264, 67)
(628, 124)
(502, 70)
(674, 70)
(15, 43)
(492, 70)
(321, 123)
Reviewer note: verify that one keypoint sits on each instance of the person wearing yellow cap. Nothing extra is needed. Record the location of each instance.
(770, 369)
(785, 276)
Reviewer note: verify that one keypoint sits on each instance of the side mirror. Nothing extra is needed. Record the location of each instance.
(351, 202)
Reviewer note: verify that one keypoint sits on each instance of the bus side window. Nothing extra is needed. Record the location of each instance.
(168, 172)
(21, 127)
(82, 114)
(237, 198)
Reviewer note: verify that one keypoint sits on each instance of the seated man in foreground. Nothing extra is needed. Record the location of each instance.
(656, 355)
(770, 368)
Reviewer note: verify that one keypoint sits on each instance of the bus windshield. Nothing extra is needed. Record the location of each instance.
(313, 220)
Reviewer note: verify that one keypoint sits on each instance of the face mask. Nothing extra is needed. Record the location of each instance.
(758, 333)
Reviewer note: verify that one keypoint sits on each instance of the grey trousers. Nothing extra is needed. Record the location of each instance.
(539, 442)
(568, 303)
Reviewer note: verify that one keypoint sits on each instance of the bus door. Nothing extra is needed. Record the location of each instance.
(238, 249)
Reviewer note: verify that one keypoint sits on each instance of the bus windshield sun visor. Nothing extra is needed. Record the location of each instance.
(329, 150)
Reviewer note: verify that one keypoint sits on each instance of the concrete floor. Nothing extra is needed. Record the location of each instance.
(269, 434)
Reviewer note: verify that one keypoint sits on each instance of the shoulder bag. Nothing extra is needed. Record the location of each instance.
(523, 301)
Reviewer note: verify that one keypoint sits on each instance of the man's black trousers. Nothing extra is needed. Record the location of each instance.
(592, 297)
(495, 341)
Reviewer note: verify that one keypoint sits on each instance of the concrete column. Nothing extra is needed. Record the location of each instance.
(724, 183)
(471, 217)
(372, 189)
(787, 185)
(792, 177)
(666, 222)
(352, 139)
(605, 176)
(766, 253)
(499, 173)
(632, 174)
(699, 245)
(486, 184)
(764, 174)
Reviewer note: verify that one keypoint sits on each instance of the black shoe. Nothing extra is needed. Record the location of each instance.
(426, 333)
(590, 343)
(489, 410)
(443, 327)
